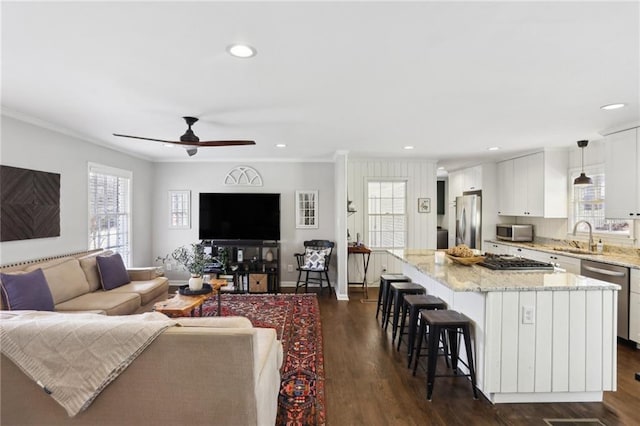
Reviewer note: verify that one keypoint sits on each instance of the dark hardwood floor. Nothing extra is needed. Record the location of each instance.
(368, 382)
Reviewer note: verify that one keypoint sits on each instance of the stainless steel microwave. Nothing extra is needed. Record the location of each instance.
(508, 232)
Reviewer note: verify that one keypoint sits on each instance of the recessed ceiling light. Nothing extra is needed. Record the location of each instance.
(169, 145)
(241, 50)
(494, 148)
(441, 168)
(281, 145)
(408, 147)
(612, 106)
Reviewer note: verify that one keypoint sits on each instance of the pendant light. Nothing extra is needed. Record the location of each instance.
(583, 180)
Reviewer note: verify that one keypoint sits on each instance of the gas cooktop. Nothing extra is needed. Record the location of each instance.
(501, 262)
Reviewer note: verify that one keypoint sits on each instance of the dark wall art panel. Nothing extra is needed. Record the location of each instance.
(29, 204)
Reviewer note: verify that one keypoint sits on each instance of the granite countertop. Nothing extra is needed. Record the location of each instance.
(480, 279)
(627, 257)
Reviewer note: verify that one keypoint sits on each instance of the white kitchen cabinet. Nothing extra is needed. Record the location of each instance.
(497, 248)
(634, 307)
(622, 175)
(534, 185)
(472, 178)
(469, 179)
(506, 204)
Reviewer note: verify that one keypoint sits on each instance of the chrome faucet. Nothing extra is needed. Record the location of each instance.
(575, 227)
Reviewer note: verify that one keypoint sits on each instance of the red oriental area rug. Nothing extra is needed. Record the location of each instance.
(296, 319)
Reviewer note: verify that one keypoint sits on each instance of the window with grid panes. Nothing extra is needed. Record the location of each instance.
(387, 214)
(109, 210)
(587, 203)
(180, 209)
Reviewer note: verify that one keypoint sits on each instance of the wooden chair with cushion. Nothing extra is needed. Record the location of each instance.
(314, 263)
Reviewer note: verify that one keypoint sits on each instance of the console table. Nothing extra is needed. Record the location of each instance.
(366, 254)
(254, 265)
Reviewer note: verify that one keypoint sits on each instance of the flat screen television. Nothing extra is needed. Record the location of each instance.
(239, 216)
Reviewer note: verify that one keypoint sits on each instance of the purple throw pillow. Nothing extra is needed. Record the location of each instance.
(28, 291)
(112, 271)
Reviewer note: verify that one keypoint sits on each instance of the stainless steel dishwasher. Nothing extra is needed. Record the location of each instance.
(616, 275)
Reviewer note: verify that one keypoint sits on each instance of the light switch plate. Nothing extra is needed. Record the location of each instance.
(528, 315)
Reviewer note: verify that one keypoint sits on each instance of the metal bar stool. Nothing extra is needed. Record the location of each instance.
(383, 294)
(396, 292)
(414, 303)
(452, 323)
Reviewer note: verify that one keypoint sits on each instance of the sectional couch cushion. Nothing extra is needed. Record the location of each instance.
(65, 278)
(28, 291)
(109, 302)
(90, 268)
(113, 273)
(148, 290)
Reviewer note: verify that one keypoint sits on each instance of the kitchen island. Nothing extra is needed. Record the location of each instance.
(540, 336)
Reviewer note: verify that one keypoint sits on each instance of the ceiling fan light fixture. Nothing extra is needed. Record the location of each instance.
(583, 179)
(612, 106)
(243, 51)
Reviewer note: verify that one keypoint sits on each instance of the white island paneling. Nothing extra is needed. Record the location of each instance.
(539, 336)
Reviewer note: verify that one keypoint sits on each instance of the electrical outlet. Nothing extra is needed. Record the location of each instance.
(289, 268)
(528, 315)
(384, 268)
(168, 266)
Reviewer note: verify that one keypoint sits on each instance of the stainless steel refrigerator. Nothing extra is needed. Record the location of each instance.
(469, 219)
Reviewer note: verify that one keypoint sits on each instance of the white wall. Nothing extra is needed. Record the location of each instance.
(31, 147)
(420, 176)
(282, 177)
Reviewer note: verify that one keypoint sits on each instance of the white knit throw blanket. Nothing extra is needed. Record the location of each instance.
(74, 356)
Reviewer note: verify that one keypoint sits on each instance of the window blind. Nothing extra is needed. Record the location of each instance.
(109, 210)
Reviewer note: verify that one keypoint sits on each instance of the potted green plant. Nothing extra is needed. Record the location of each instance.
(193, 259)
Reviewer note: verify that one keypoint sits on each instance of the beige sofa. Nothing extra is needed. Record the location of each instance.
(75, 285)
(211, 371)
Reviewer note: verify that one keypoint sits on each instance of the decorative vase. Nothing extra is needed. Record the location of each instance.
(195, 282)
(268, 256)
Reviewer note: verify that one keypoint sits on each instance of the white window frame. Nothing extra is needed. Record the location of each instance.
(582, 231)
(368, 214)
(179, 209)
(307, 209)
(128, 209)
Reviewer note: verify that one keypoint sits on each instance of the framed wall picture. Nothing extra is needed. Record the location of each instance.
(180, 209)
(424, 205)
(306, 209)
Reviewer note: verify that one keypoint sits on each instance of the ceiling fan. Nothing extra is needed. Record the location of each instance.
(190, 140)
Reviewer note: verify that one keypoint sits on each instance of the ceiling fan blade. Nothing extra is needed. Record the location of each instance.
(202, 143)
(225, 143)
(145, 139)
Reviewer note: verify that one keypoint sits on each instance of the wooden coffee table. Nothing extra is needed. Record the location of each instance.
(181, 305)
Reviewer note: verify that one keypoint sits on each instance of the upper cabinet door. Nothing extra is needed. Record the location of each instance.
(506, 188)
(521, 185)
(533, 185)
(622, 175)
(472, 178)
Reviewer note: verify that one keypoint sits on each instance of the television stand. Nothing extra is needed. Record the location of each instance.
(253, 265)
